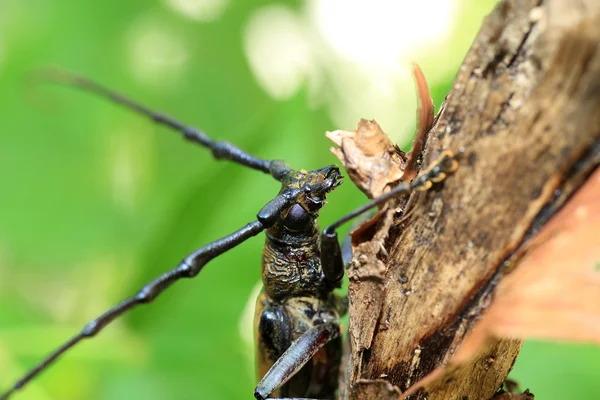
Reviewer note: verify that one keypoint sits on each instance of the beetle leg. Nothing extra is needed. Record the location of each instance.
(332, 262)
(295, 357)
(437, 172)
(220, 149)
(331, 253)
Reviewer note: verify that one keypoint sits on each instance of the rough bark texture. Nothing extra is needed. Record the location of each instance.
(526, 108)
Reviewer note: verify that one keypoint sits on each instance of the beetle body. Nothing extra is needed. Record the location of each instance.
(297, 314)
(296, 295)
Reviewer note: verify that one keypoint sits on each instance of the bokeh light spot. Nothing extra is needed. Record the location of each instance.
(381, 33)
(279, 54)
(128, 163)
(1, 56)
(157, 53)
(199, 10)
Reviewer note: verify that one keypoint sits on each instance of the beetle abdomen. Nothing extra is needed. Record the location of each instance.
(278, 324)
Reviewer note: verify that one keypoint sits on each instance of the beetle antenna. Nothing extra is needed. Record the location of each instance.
(219, 149)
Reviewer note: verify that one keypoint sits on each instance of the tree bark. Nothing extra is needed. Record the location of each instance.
(525, 107)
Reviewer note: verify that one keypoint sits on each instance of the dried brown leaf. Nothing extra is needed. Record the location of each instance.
(425, 114)
(369, 156)
(373, 162)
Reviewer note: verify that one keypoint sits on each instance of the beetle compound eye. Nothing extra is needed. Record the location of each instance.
(297, 218)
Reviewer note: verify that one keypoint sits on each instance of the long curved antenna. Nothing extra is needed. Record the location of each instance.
(189, 267)
(220, 149)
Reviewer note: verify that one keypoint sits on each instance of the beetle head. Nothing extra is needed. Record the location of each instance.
(311, 188)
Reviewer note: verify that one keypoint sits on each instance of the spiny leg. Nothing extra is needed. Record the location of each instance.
(189, 267)
(220, 149)
(295, 357)
(331, 254)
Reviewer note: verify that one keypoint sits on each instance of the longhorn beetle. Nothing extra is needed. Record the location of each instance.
(297, 313)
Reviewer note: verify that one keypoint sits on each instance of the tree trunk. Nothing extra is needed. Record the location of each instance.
(525, 108)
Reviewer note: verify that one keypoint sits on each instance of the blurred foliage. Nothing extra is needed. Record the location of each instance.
(97, 201)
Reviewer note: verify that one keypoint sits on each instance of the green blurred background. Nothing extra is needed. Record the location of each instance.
(97, 201)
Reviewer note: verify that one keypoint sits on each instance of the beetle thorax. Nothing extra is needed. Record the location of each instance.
(289, 270)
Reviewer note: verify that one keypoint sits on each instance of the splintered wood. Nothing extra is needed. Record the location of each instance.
(447, 283)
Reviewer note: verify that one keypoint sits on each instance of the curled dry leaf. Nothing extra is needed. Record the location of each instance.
(425, 114)
(373, 162)
(369, 156)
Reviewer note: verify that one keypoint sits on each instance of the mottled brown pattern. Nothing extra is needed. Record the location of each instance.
(289, 271)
